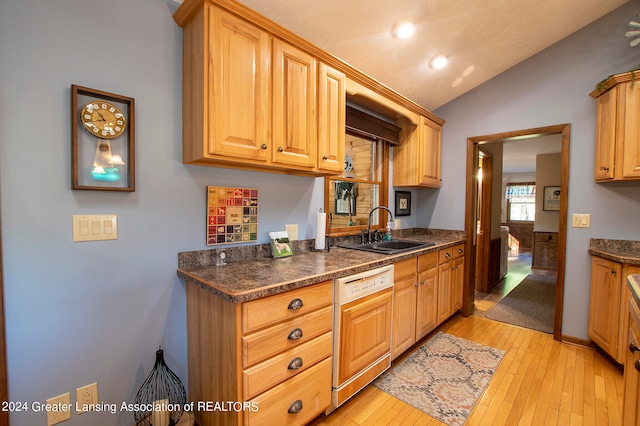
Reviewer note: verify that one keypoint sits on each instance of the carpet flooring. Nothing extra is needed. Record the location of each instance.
(443, 378)
(530, 304)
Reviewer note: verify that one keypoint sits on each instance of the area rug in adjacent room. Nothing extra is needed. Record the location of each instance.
(531, 304)
(443, 378)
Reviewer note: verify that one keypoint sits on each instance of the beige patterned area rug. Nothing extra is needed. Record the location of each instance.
(443, 378)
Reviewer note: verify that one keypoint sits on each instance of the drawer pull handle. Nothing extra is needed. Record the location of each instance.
(295, 334)
(295, 304)
(295, 363)
(296, 407)
(637, 364)
(633, 348)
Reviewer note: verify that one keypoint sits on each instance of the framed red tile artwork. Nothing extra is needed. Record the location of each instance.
(232, 215)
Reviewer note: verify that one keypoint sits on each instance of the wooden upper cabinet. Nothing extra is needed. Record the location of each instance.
(294, 106)
(238, 118)
(331, 119)
(617, 155)
(416, 160)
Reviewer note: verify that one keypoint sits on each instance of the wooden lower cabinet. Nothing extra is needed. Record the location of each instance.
(270, 355)
(608, 306)
(631, 404)
(428, 290)
(450, 281)
(404, 306)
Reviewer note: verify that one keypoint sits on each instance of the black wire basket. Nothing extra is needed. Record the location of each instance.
(161, 398)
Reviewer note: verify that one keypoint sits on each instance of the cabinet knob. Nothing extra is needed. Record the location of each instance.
(637, 365)
(417, 284)
(263, 146)
(295, 408)
(325, 158)
(633, 347)
(295, 334)
(280, 149)
(613, 272)
(460, 250)
(605, 168)
(295, 363)
(295, 304)
(447, 255)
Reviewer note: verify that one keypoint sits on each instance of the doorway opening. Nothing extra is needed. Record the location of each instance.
(475, 212)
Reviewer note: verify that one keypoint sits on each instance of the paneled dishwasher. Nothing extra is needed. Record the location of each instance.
(362, 309)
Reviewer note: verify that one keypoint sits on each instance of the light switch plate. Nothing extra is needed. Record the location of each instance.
(581, 220)
(292, 230)
(96, 227)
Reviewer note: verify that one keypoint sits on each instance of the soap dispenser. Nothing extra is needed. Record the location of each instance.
(387, 236)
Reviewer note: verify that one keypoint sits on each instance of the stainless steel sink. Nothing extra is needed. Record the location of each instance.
(388, 247)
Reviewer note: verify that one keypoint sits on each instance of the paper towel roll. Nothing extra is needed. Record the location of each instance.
(321, 225)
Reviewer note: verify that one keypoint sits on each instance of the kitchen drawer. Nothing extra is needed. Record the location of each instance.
(427, 261)
(450, 253)
(281, 367)
(266, 343)
(260, 313)
(310, 390)
(458, 251)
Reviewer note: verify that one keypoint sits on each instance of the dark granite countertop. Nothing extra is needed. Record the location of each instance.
(623, 251)
(248, 279)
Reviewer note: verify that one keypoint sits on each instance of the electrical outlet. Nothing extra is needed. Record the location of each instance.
(87, 397)
(396, 224)
(58, 409)
(292, 230)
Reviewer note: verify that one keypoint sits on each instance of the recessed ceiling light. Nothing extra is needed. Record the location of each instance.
(439, 62)
(403, 29)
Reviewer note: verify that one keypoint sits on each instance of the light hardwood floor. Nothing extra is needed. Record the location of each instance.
(539, 382)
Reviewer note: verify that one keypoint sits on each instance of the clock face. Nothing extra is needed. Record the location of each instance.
(103, 120)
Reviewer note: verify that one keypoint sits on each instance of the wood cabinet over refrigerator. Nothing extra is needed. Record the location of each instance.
(617, 156)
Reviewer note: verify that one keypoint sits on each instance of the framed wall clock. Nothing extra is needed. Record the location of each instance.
(102, 140)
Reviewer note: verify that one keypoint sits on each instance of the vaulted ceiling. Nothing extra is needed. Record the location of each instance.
(481, 38)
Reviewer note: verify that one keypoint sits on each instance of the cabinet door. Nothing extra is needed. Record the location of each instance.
(457, 281)
(404, 306)
(629, 134)
(630, 415)
(430, 136)
(426, 315)
(331, 119)
(606, 118)
(604, 304)
(239, 115)
(294, 107)
(445, 279)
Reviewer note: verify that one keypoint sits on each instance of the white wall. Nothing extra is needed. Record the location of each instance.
(77, 313)
(550, 88)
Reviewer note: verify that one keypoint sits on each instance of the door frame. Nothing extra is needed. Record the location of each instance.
(470, 206)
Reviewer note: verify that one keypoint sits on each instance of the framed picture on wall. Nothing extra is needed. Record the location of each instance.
(551, 201)
(403, 203)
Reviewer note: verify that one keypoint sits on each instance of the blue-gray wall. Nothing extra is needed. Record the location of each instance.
(550, 88)
(97, 311)
(77, 313)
